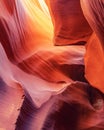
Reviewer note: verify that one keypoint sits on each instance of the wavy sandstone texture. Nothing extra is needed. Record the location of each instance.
(42, 82)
